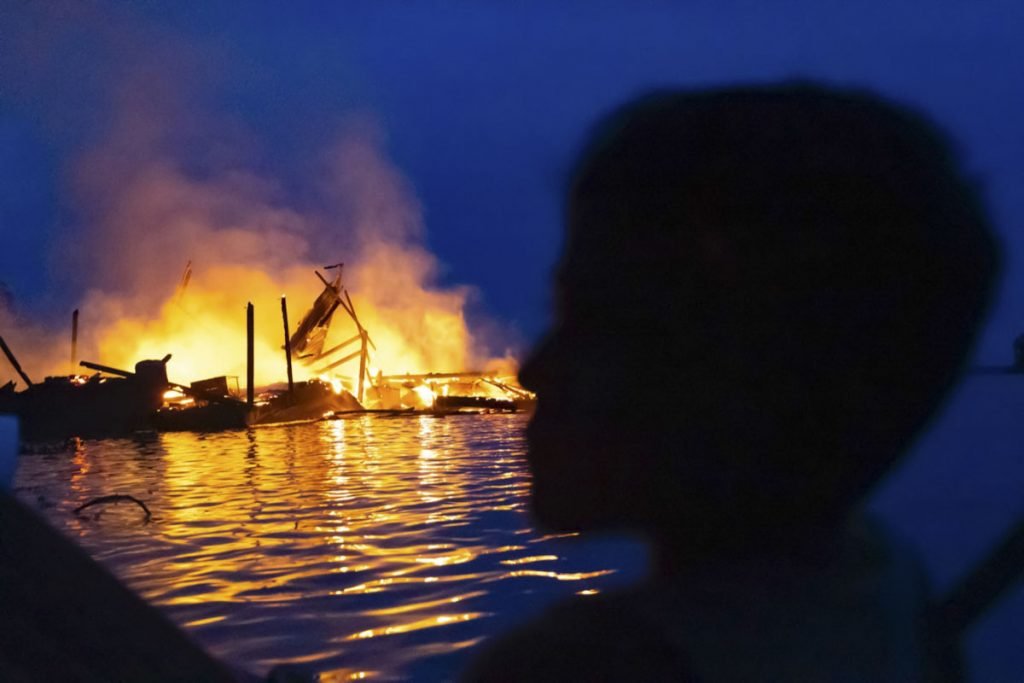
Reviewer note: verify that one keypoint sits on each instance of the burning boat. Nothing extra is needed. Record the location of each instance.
(212, 405)
(78, 405)
(115, 401)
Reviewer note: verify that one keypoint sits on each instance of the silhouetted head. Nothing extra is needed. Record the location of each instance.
(765, 293)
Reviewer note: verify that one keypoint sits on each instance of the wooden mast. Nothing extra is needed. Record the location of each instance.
(249, 355)
(287, 347)
(74, 341)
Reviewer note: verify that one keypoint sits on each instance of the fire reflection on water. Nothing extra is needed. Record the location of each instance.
(366, 547)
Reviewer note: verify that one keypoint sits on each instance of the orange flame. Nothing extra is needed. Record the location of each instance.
(149, 217)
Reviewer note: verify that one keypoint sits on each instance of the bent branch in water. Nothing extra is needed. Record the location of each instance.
(117, 497)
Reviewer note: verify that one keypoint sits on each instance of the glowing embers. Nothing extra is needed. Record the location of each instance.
(337, 386)
(449, 392)
(176, 398)
(404, 324)
(358, 355)
(423, 396)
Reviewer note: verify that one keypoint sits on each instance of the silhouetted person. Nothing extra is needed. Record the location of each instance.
(765, 294)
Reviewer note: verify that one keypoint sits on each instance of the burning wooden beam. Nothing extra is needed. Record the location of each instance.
(106, 368)
(362, 361)
(337, 347)
(468, 374)
(328, 368)
(347, 304)
(505, 387)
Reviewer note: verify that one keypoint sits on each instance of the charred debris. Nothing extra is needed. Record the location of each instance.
(112, 401)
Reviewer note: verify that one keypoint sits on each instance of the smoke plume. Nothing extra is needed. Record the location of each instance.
(164, 182)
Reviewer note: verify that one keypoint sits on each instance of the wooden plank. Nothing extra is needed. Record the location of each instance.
(336, 347)
(352, 310)
(362, 364)
(14, 362)
(106, 368)
(468, 374)
(335, 364)
(287, 346)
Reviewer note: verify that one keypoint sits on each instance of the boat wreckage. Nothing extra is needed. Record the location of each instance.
(113, 401)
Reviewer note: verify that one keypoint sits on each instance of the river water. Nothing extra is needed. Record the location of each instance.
(389, 547)
(372, 547)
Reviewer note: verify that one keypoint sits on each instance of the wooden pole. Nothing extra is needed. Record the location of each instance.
(14, 362)
(106, 368)
(359, 325)
(362, 364)
(287, 346)
(250, 396)
(74, 341)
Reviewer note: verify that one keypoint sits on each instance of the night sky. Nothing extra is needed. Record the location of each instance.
(482, 107)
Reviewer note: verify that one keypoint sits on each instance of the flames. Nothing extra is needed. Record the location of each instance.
(415, 329)
(146, 211)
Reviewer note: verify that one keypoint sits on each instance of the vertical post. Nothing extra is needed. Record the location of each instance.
(250, 396)
(362, 364)
(74, 342)
(287, 347)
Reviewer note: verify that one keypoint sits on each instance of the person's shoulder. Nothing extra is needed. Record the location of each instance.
(586, 639)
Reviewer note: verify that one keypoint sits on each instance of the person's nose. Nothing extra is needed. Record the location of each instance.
(537, 364)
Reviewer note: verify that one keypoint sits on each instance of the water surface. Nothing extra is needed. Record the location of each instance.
(371, 547)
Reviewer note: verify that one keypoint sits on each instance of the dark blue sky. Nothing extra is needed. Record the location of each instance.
(484, 106)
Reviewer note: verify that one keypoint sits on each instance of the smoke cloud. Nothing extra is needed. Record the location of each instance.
(165, 181)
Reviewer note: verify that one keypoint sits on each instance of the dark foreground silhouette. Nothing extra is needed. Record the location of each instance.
(64, 618)
(765, 294)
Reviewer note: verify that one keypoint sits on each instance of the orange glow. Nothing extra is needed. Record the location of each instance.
(531, 559)
(569, 576)
(336, 384)
(243, 242)
(416, 625)
(418, 331)
(375, 509)
(425, 395)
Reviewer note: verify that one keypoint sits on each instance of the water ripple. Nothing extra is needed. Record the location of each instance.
(366, 548)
